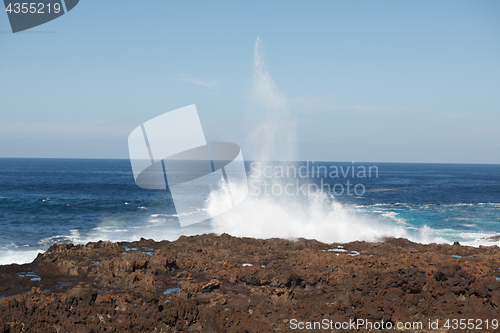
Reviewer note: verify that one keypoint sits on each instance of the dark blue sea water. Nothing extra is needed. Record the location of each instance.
(43, 201)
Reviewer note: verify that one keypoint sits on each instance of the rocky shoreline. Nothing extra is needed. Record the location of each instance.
(212, 283)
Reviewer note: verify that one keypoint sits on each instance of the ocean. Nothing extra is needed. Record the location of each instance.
(47, 201)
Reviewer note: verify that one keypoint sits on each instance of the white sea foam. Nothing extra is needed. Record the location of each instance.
(483, 241)
(320, 218)
(73, 237)
(20, 257)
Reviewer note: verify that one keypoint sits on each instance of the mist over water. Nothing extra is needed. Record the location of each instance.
(273, 128)
(314, 215)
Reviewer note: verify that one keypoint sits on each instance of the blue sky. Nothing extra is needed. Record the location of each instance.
(367, 81)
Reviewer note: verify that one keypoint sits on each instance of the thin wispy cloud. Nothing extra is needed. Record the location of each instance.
(458, 115)
(212, 84)
(365, 108)
(315, 104)
(92, 128)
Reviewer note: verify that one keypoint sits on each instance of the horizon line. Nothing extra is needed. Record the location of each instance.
(271, 161)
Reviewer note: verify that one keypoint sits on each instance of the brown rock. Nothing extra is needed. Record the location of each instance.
(199, 284)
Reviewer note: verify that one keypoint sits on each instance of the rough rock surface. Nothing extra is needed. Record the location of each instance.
(221, 283)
